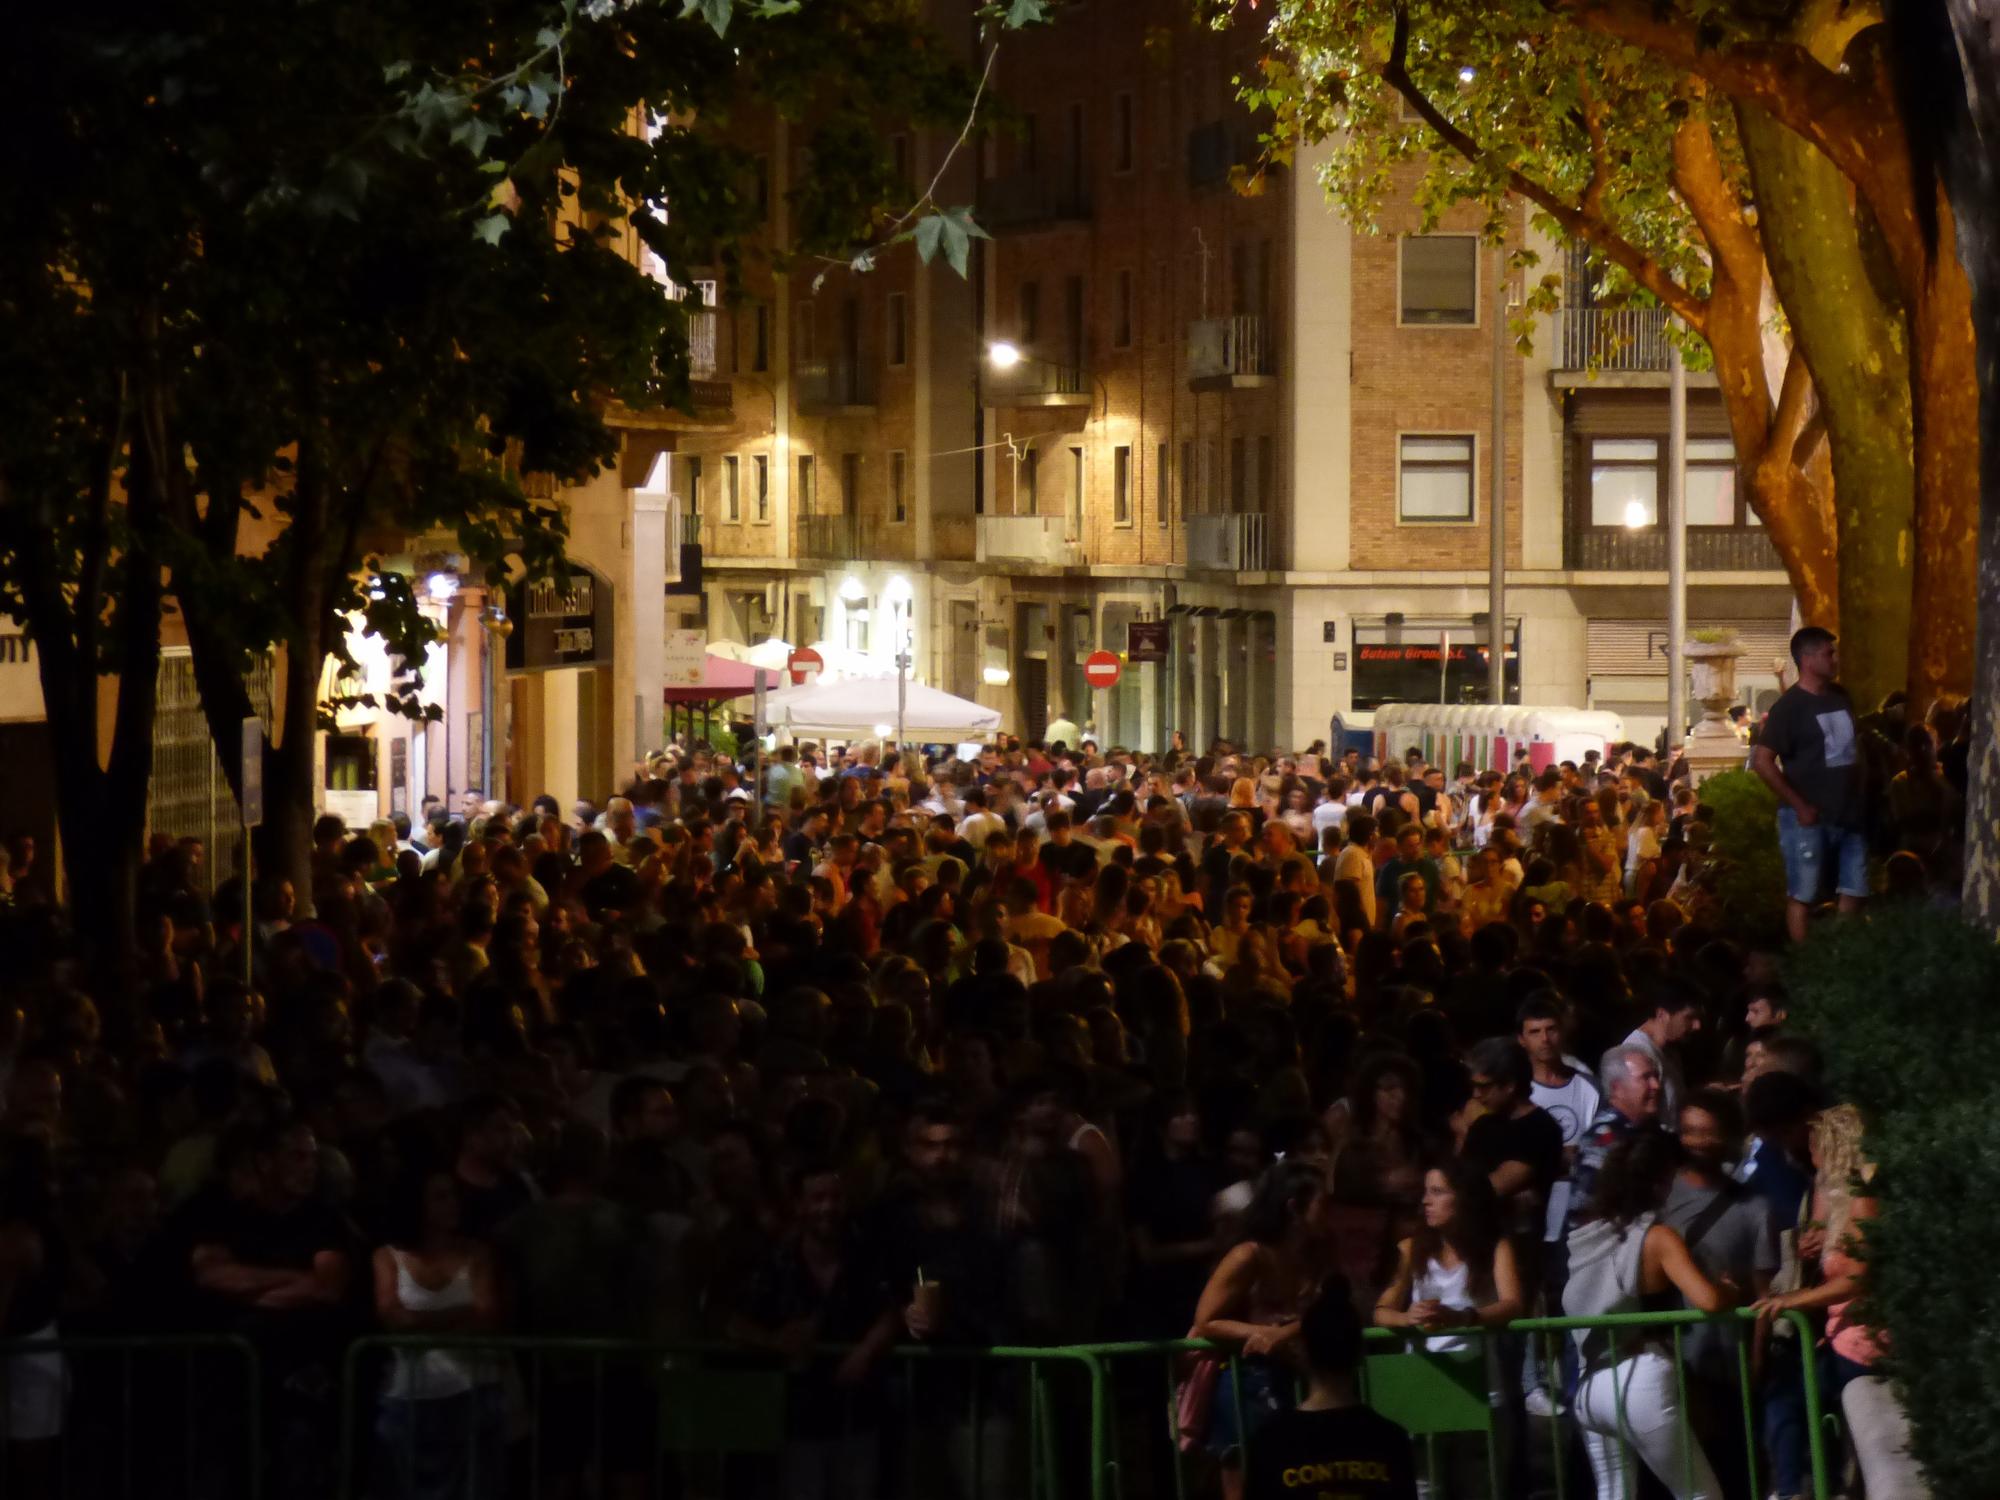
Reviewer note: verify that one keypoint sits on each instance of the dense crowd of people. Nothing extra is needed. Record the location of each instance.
(1049, 1045)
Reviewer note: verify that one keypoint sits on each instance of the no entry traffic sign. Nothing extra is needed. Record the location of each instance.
(1101, 669)
(803, 662)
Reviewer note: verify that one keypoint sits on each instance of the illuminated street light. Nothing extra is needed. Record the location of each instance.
(1636, 518)
(1003, 355)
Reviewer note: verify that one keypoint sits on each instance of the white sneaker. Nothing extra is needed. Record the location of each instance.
(1540, 1404)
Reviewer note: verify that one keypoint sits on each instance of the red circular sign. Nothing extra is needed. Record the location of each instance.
(1101, 669)
(803, 661)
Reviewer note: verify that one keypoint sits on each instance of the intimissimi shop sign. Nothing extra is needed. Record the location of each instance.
(563, 621)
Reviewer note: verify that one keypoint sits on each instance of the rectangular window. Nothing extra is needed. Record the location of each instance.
(1436, 478)
(1122, 148)
(762, 465)
(899, 499)
(1211, 476)
(851, 485)
(1077, 154)
(1440, 280)
(1711, 482)
(1187, 479)
(1121, 313)
(802, 334)
(760, 349)
(1239, 476)
(1028, 318)
(1029, 501)
(1076, 492)
(802, 502)
(732, 494)
(692, 467)
(1267, 475)
(1625, 482)
(1121, 485)
(1163, 487)
(898, 331)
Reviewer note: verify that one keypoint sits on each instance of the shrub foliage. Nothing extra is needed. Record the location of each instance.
(1902, 1003)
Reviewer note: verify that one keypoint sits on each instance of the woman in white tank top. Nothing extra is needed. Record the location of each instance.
(441, 1421)
(1457, 1270)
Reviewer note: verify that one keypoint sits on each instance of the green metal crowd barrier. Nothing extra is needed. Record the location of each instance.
(179, 1417)
(1059, 1423)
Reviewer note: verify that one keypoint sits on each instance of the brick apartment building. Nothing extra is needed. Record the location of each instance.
(1234, 413)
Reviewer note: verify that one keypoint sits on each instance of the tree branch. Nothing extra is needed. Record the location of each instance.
(1794, 401)
(1835, 112)
(1575, 221)
(1592, 201)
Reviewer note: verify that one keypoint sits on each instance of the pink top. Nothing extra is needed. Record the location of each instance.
(1850, 1337)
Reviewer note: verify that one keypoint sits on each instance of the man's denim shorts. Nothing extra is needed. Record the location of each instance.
(1809, 851)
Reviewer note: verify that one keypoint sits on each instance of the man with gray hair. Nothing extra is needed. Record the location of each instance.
(1631, 1082)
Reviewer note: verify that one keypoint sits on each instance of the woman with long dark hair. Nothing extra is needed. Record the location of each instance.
(1253, 1302)
(1623, 1261)
(1377, 1172)
(1458, 1269)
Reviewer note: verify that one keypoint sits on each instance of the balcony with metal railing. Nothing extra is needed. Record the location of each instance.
(1230, 353)
(836, 386)
(1028, 539)
(1037, 382)
(1717, 549)
(1612, 340)
(839, 538)
(1032, 200)
(1228, 543)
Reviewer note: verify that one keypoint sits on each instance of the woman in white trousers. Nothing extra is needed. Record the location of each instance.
(1621, 1261)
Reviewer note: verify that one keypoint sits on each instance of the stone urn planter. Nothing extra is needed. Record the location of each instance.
(1712, 745)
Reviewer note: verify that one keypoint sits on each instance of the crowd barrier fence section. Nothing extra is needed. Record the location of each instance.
(177, 1417)
(1075, 1422)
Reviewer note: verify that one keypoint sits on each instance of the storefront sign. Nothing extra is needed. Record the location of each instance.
(559, 622)
(1432, 671)
(687, 657)
(20, 678)
(1148, 640)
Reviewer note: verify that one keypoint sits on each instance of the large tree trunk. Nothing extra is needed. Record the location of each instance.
(1850, 337)
(1968, 155)
(1946, 397)
(1793, 502)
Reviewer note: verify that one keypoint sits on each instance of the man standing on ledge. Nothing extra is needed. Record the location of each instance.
(1808, 754)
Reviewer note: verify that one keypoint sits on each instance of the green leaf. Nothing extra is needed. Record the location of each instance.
(394, 71)
(930, 231)
(957, 245)
(548, 37)
(492, 227)
(538, 100)
(715, 12)
(962, 217)
(1026, 13)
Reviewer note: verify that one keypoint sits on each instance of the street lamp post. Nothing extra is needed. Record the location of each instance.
(1677, 550)
(1496, 561)
(498, 628)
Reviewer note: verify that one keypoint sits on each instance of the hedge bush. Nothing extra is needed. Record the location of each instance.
(1750, 880)
(1903, 1003)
